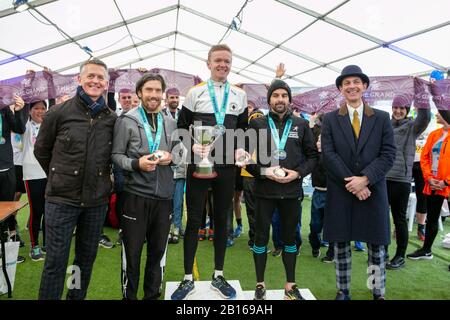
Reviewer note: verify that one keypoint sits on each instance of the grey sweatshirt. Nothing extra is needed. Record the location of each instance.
(129, 144)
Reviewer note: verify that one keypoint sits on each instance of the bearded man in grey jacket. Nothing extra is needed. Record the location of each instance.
(142, 148)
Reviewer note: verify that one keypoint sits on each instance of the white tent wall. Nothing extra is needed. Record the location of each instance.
(315, 39)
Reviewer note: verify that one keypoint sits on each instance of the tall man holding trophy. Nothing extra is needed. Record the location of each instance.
(212, 111)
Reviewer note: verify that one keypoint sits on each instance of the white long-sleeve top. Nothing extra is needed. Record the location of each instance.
(32, 170)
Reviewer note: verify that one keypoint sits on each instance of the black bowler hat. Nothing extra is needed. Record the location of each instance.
(352, 71)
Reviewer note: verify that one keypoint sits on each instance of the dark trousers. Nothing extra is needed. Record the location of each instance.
(208, 211)
(419, 184)
(318, 202)
(223, 190)
(289, 212)
(398, 195)
(7, 191)
(60, 221)
(249, 198)
(434, 206)
(36, 201)
(119, 204)
(143, 218)
(276, 230)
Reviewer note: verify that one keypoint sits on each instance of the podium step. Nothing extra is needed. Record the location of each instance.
(279, 294)
(203, 291)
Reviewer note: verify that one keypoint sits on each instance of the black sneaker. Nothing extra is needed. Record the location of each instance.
(328, 259)
(420, 254)
(184, 290)
(105, 242)
(396, 263)
(341, 295)
(293, 294)
(175, 239)
(223, 287)
(260, 292)
(20, 259)
(316, 253)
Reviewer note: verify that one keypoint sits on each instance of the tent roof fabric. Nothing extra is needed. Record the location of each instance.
(314, 39)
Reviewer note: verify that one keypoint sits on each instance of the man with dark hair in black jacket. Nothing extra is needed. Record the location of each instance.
(74, 149)
(291, 155)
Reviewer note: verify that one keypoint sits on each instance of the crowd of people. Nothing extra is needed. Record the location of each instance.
(71, 157)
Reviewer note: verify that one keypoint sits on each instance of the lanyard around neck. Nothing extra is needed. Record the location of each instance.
(153, 145)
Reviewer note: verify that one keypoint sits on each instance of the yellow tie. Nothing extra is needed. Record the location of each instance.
(355, 123)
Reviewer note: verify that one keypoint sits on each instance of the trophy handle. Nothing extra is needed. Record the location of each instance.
(216, 136)
(191, 129)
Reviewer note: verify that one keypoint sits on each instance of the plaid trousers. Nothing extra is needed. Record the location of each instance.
(376, 267)
(60, 222)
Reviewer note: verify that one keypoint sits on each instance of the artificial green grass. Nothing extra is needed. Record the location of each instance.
(423, 279)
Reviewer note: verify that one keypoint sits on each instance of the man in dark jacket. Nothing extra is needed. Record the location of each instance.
(292, 155)
(358, 151)
(142, 145)
(399, 178)
(74, 149)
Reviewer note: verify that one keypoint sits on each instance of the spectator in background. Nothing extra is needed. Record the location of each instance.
(35, 180)
(435, 163)
(11, 120)
(406, 131)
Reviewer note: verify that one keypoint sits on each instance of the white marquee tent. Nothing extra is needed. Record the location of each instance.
(314, 38)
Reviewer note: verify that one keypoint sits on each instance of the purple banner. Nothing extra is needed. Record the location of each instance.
(256, 93)
(440, 91)
(44, 85)
(47, 85)
(414, 90)
(321, 100)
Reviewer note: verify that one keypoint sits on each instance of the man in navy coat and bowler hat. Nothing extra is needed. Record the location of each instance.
(358, 151)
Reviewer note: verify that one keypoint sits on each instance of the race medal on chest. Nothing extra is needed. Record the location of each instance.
(279, 154)
(220, 129)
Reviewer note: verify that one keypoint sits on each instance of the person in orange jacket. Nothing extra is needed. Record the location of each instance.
(435, 164)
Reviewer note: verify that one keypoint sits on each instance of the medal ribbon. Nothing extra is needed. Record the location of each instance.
(276, 138)
(219, 114)
(153, 145)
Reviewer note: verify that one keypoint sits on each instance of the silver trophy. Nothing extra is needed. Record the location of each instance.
(206, 136)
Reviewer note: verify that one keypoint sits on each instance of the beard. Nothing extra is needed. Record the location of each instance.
(151, 105)
(280, 108)
(173, 106)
